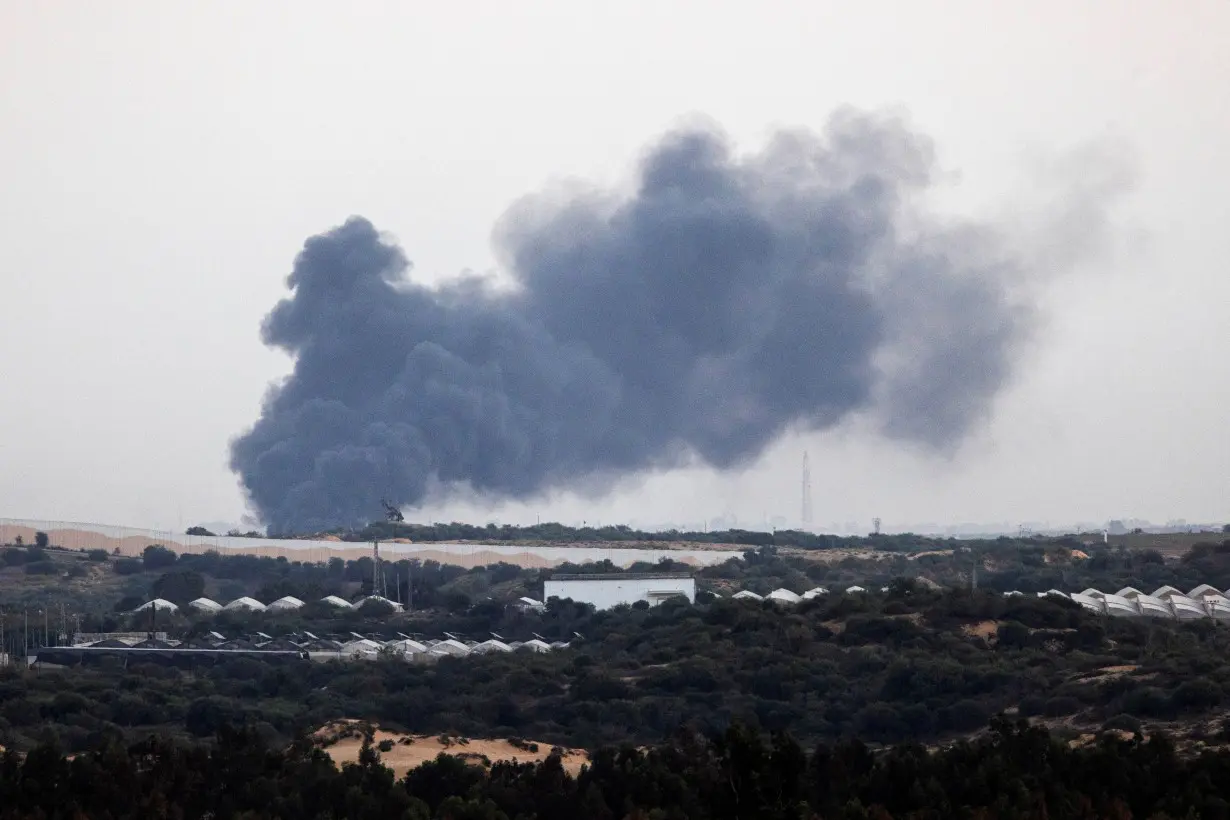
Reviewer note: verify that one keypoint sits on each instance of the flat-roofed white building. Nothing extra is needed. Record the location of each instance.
(605, 591)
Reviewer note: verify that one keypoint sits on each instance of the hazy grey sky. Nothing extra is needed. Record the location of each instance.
(162, 163)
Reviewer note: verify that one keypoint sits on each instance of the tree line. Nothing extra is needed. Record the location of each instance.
(1011, 771)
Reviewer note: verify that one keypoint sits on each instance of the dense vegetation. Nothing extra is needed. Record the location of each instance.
(561, 533)
(921, 662)
(911, 664)
(1013, 771)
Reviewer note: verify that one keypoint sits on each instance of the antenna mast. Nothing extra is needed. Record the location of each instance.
(805, 516)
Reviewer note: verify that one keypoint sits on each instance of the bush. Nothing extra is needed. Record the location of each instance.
(41, 540)
(15, 557)
(97, 555)
(156, 556)
(42, 568)
(1122, 723)
(129, 566)
(1061, 706)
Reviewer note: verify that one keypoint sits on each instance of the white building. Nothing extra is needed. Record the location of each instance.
(606, 591)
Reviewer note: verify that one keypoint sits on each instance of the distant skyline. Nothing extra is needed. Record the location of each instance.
(164, 163)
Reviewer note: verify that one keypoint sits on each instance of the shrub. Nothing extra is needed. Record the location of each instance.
(1122, 723)
(42, 568)
(129, 566)
(96, 555)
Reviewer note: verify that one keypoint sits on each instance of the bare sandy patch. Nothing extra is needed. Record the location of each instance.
(411, 751)
(983, 629)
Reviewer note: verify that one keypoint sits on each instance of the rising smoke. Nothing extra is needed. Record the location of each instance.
(720, 302)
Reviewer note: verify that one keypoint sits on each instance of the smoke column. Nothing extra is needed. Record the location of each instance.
(717, 302)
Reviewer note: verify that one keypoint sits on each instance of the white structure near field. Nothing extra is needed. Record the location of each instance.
(606, 591)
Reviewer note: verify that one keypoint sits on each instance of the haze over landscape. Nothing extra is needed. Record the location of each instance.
(975, 283)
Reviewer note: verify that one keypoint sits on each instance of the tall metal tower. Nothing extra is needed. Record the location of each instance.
(805, 516)
(378, 587)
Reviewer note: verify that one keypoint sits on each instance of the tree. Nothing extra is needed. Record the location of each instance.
(128, 566)
(179, 586)
(41, 540)
(156, 556)
(198, 531)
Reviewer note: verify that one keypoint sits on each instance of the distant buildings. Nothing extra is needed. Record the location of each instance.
(605, 591)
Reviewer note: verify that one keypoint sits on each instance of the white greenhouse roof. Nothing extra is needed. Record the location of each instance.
(333, 600)
(747, 594)
(205, 605)
(491, 646)
(1120, 606)
(855, 589)
(245, 603)
(1153, 607)
(535, 645)
(1167, 591)
(814, 593)
(286, 602)
(784, 596)
(407, 645)
(450, 647)
(157, 603)
(396, 606)
(1203, 590)
(1088, 602)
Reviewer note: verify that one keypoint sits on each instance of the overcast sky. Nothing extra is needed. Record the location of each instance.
(162, 163)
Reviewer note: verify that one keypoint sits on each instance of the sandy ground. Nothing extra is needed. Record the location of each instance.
(402, 757)
(983, 629)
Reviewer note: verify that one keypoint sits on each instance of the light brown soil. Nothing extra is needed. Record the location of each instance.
(402, 758)
(983, 629)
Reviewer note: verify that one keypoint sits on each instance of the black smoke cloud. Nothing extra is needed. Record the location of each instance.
(719, 302)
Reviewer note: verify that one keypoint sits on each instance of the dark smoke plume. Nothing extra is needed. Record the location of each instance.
(719, 303)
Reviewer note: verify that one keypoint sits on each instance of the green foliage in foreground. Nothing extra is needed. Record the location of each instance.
(1013, 771)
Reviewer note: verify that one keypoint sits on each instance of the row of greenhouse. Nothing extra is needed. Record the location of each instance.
(206, 606)
(351, 647)
(785, 596)
(1204, 601)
